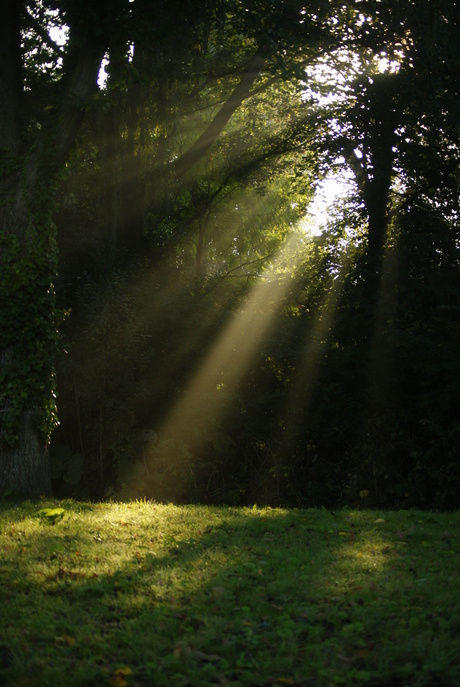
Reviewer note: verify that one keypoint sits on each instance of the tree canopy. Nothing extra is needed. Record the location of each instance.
(158, 277)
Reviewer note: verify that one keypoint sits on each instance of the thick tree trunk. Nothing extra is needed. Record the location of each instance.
(374, 173)
(25, 467)
(27, 332)
(28, 164)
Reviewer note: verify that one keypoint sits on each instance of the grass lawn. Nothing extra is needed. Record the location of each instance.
(143, 594)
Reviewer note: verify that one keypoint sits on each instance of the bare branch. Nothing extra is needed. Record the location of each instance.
(245, 264)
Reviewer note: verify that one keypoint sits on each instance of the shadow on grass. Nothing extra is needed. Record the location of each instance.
(201, 596)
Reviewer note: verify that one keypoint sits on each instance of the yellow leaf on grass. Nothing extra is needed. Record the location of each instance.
(119, 676)
(51, 515)
(118, 681)
(65, 640)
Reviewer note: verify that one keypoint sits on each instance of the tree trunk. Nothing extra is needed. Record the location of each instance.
(33, 146)
(374, 174)
(27, 333)
(25, 466)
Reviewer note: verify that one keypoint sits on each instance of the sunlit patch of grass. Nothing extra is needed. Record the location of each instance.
(141, 594)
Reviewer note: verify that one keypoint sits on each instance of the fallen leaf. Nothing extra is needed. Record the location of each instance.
(351, 536)
(65, 640)
(120, 675)
(51, 515)
(118, 681)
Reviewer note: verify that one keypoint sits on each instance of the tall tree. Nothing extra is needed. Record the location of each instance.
(43, 91)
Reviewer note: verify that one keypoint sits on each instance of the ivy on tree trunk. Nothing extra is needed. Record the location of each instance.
(34, 143)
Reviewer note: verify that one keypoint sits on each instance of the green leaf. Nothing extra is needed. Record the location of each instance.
(51, 515)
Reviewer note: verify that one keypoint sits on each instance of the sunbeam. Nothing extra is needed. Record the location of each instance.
(380, 392)
(205, 400)
(313, 350)
(209, 395)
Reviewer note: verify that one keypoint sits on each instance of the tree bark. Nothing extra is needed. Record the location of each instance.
(25, 467)
(28, 165)
(374, 173)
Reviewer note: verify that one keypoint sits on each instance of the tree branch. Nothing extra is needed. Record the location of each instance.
(43, 33)
(80, 85)
(207, 138)
(244, 264)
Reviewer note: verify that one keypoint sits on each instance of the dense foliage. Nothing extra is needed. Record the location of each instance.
(216, 349)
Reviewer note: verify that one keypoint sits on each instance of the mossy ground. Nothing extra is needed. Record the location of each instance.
(147, 594)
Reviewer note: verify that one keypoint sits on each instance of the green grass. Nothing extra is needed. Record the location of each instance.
(160, 595)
